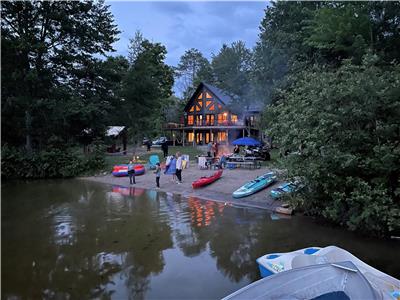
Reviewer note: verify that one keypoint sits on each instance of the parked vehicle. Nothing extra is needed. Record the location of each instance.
(161, 140)
(145, 141)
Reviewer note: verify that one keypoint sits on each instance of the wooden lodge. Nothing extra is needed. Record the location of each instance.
(207, 117)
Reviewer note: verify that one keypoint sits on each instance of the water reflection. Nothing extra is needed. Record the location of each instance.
(73, 239)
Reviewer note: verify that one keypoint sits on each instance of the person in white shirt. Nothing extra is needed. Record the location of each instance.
(179, 167)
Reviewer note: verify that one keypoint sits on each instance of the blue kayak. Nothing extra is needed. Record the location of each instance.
(285, 188)
(255, 185)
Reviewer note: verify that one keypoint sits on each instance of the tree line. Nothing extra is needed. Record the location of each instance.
(60, 89)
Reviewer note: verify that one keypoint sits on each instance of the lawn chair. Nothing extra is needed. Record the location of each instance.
(202, 162)
(153, 160)
(185, 162)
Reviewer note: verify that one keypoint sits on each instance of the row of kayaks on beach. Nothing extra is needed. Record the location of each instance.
(254, 186)
(318, 273)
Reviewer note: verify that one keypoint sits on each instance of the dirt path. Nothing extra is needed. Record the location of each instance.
(220, 191)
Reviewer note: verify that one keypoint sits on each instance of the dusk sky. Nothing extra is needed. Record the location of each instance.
(184, 25)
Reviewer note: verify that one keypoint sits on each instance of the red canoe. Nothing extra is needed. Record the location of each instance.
(206, 180)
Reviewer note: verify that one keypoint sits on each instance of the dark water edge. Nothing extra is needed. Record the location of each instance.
(79, 239)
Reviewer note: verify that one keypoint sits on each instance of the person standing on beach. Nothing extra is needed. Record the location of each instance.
(209, 147)
(158, 175)
(179, 167)
(149, 143)
(164, 147)
(131, 172)
(171, 167)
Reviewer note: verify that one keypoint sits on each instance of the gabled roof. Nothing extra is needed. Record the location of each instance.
(221, 95)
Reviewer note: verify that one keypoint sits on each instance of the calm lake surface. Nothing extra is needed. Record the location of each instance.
(79, 240)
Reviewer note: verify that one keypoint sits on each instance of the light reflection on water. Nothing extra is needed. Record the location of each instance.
(79, 240)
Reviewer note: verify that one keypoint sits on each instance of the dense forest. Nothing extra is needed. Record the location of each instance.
(327, 73)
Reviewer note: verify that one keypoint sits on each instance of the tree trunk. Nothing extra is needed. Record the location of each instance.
(28, 127)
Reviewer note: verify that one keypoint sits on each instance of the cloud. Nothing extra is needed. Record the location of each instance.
(184, 25)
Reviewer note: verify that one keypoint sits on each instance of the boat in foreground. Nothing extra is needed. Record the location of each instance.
(340, 280)
(274, 263)
(255, 185)
(203, 181)
(122, 170)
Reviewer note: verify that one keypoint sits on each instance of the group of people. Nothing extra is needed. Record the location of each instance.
(212, 148)
(173, 166)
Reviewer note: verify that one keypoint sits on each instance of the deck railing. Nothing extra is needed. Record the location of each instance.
(204, 123)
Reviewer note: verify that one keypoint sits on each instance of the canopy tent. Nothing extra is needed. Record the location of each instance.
(246, 141)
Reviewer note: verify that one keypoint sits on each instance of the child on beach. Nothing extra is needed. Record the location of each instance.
(131, 172)
(179, 167)
(158, 174)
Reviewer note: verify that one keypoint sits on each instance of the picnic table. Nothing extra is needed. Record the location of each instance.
(243, 161)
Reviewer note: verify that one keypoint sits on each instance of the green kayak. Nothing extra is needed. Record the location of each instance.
(255, 185)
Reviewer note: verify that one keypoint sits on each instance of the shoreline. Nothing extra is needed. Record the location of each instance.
(218, 191)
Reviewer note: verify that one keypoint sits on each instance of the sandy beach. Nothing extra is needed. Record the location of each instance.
(220, 191)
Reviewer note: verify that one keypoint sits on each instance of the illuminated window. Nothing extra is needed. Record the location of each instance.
(200, 103)
(208, 96)
(198, 108)
(192, 109)
(234, 118)
(222, 136)
(223, 118)
(208, 103)
(190, 137)
(200, 96)
(210, 120)
(199, 120)
(190, 120)
(211, 107)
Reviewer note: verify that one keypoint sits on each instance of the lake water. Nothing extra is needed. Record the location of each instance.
(79, 240)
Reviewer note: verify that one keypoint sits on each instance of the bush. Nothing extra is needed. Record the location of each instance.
(345, 123)
(50, 163)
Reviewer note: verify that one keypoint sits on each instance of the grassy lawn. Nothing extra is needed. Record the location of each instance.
(144, 157)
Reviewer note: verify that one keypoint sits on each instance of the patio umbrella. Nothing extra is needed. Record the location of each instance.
(246, 141)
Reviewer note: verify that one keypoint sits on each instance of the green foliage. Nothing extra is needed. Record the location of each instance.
(231, 69)
(54, 162)
(146, 88)
(346, 123)
(50, 80)
(193, 68)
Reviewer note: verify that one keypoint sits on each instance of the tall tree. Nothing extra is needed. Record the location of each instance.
(190, 70)
(231, 68)
(146, 88)
(45, 45)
